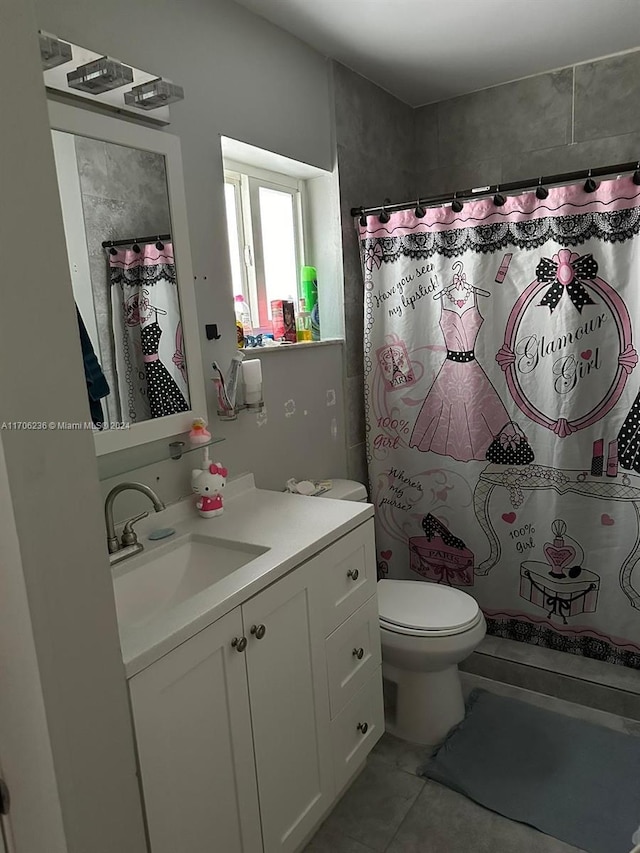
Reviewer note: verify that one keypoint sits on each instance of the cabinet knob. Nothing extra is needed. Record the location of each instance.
(363, 727)
(358, 653)
(239, 643)
(258, 631)
(354, 574)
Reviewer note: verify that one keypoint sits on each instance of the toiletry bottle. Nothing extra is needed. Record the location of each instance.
(303, 323)
(243, 318)
(309, 282)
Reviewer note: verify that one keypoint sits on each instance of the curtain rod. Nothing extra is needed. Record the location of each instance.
(153, 239)
(530, 183)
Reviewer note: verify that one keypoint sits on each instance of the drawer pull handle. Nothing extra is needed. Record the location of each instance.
(363, 727)
(239, 643)
(354, 574)
(358, 653)
(258, 631)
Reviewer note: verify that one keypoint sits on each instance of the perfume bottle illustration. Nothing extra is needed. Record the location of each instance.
(559, 554)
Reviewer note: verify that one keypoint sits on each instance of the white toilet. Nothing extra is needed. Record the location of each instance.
(426, 630)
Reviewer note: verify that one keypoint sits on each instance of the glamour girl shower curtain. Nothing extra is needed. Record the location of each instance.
(150, 363)
(503, 410)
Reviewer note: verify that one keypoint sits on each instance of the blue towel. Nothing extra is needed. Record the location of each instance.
(97, 385)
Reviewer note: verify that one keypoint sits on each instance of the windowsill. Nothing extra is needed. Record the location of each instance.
(251, 352)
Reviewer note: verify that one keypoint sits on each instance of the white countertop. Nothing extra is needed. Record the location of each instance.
(292, 527)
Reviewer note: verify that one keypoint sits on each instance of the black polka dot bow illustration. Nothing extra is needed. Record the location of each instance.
(567, 271)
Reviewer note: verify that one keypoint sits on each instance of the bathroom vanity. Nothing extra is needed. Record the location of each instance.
(255, 689)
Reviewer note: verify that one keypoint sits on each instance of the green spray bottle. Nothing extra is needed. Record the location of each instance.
(309, 282)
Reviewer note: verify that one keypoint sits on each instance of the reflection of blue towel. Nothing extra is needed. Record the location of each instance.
(97, 385)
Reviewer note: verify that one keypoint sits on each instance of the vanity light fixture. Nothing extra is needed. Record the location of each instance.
(53, 52)
(153, 94)
(100, 75)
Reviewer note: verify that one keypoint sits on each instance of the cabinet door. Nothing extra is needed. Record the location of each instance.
(289, 708)
(193, 731)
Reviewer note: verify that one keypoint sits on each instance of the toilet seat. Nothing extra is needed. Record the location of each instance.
(427, 632)
(420, 609)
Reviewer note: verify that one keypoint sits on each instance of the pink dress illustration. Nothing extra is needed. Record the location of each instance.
(462, 412)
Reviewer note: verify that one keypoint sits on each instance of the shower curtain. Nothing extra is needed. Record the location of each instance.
(503, 410)
(150, 363)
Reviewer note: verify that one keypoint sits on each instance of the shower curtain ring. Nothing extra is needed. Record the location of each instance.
(541, 192)
(363, 218)
(383, 216)
(498, 198)
(420, 211)
(590, 185)
(456, 204)
(636, 175)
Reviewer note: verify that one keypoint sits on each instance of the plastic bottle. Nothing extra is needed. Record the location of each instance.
(303, 323)
(243, 320)
(309, 282)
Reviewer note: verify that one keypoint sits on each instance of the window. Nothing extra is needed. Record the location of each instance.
(264, 222)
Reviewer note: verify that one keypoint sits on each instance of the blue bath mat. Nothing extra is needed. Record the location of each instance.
(573, 780)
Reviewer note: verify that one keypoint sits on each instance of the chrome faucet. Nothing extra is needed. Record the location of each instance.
(129, 545)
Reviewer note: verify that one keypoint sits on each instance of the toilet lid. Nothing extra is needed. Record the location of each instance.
(422, 606)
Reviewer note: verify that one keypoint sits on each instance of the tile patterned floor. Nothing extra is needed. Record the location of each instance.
(389, 809)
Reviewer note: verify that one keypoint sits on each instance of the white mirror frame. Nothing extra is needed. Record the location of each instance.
(93, 125)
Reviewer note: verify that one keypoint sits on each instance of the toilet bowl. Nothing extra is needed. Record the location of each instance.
(426, 630)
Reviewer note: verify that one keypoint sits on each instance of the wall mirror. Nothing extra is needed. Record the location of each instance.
(124, 213)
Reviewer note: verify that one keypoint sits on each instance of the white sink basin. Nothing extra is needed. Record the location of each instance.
(175, 575)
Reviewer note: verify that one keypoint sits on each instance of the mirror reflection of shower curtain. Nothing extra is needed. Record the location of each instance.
(147, 329)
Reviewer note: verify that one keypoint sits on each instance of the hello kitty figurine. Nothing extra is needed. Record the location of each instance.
(208, 483)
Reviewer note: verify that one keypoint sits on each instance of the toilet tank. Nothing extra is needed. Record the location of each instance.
(345, 490)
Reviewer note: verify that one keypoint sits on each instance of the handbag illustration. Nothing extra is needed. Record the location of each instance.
(510, 447)
(440, 556)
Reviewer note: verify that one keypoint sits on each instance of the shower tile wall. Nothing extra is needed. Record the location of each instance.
(554, 122)
(375, 138)
(124, 195)
(559, 121)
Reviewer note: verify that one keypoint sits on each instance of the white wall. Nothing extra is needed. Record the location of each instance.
(26, 761)
(246, 79)
(52, 484)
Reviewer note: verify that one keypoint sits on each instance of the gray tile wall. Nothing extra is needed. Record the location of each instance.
(375, 146)
(555, 122)
(560, 121)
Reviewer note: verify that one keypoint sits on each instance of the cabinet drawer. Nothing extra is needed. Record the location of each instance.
(357, 728)
(353, 654)
(350, 575)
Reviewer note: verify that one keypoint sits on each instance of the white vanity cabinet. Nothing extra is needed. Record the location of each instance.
(248, 731)
(195, 750)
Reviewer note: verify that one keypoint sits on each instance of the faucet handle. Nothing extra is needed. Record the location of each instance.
(129, 536)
